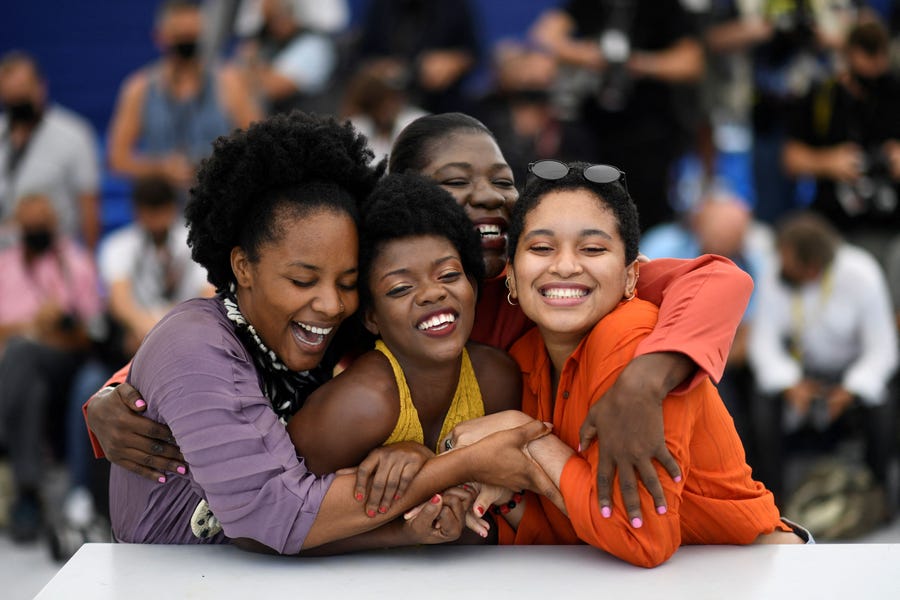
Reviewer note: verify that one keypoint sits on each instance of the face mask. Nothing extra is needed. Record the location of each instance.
(871, 84)
(24, 112)
(184, 50)
(37, 241)
(789, 281)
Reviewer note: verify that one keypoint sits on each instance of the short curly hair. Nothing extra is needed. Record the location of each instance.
(612, 195)
(296, 162)
(408, 205)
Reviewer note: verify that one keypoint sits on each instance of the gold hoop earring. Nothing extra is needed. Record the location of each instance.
(510, 300)
(506, 282)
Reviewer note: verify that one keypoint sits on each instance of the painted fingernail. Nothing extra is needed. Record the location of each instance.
(162, 479)
(181, 470)
(606, 512)
(678, 479)
(479, 510)
(636, 523)
(661, 510)
(359, 496)
(370, 512)
(382, 509)
(396, 496)
(140, 403)
(436, 498)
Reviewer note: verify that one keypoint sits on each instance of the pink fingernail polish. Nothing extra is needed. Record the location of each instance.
(181, 470)
(479, 510)
(678, 479)
(162, 479)
(396, 496)
(606, 512)
(382, 509)
(636, 523)
(359, 497)
(661, 510)
(435, 499)
(140, 403)
(370, 512)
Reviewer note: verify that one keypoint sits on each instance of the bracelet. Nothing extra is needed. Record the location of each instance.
(505, 508)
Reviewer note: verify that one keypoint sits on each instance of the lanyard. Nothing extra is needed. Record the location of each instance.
(800, 320)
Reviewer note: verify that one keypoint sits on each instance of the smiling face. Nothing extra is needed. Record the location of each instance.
(569, 270)
(302, 285)
(471, 167)
(423, 305)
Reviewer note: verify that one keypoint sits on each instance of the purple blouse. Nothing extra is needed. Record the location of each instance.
(198, 379)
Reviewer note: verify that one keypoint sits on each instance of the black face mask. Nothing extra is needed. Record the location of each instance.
(789, 281)
(184, 50)
(871, 85)
(37, 241)
(23, 112)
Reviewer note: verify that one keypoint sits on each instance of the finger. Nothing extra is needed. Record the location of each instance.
(586, 434)
(406, 477)
(159, 465)
(144, 471)
(479, 526)
(432, 509)
(130, 397)
(630, 495)
(390, 489)
(346, 471)
(155, 431)
(606, 471)
(651, 481)
(363, 478)
(376, 490)
(669, 463)
(485, 498)
(413, 513)
(532, 430)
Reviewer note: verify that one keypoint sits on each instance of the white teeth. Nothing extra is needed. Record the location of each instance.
(564, 293)
(316, 330)
(436, 321)
(487, 230)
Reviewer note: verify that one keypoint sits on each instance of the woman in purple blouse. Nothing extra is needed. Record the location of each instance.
(273, 219)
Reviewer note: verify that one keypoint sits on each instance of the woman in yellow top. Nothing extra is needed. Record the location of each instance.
(420, 264)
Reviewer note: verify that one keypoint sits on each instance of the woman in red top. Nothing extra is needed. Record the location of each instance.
(701, 303)
(574, 272)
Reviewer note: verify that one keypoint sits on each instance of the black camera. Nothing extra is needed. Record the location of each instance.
(874, 193)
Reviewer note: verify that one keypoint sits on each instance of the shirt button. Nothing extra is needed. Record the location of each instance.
(566, 395)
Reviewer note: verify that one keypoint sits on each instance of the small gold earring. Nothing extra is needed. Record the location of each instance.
(510, 300)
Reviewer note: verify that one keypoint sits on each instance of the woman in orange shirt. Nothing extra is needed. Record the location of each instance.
(573, 270)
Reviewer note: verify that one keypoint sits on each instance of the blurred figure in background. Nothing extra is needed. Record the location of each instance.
(147, 265)
(630, 53)
(47, 149)
(377, 103)
(846, 134)
(287, 64)
(168, 113)
(436, 42)
(823, 349)
(723, 224)
(49, 310)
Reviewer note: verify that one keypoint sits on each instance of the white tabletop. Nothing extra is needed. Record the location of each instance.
(844, 571)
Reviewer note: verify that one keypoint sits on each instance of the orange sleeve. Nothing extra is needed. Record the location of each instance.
(118, 377)
(701, 303)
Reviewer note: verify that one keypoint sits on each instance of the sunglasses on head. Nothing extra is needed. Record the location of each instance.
(551, 170)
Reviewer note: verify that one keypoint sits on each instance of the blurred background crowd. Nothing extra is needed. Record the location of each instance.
(767, 131)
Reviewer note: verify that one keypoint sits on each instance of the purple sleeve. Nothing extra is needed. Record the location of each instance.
(198, 379)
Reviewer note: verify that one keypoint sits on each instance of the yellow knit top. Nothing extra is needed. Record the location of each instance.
(466, 404)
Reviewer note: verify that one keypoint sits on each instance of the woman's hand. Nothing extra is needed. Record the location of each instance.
(130, 440)
(627, 422)
(473, 430)
(386, 472)
(502, 459)
(442, 518)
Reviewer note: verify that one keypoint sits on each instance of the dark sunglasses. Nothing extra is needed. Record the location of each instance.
(551, 170)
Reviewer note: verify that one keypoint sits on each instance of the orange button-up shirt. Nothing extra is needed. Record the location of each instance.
(716, 502)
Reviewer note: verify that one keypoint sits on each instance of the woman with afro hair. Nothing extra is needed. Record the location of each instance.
(273, 219)
(420, 267)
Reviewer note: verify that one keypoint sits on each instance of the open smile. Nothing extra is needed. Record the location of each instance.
(564, 295)
(438, 323)
(492, 232)
(310, 336)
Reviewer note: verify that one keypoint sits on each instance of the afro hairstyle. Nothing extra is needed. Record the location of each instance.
(409, 205)
(297, 162)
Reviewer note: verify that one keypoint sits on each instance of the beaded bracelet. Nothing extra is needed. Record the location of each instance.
(505, 508)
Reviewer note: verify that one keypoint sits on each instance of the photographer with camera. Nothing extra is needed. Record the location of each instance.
(49, 303)
(631, 53)
(846, 134)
